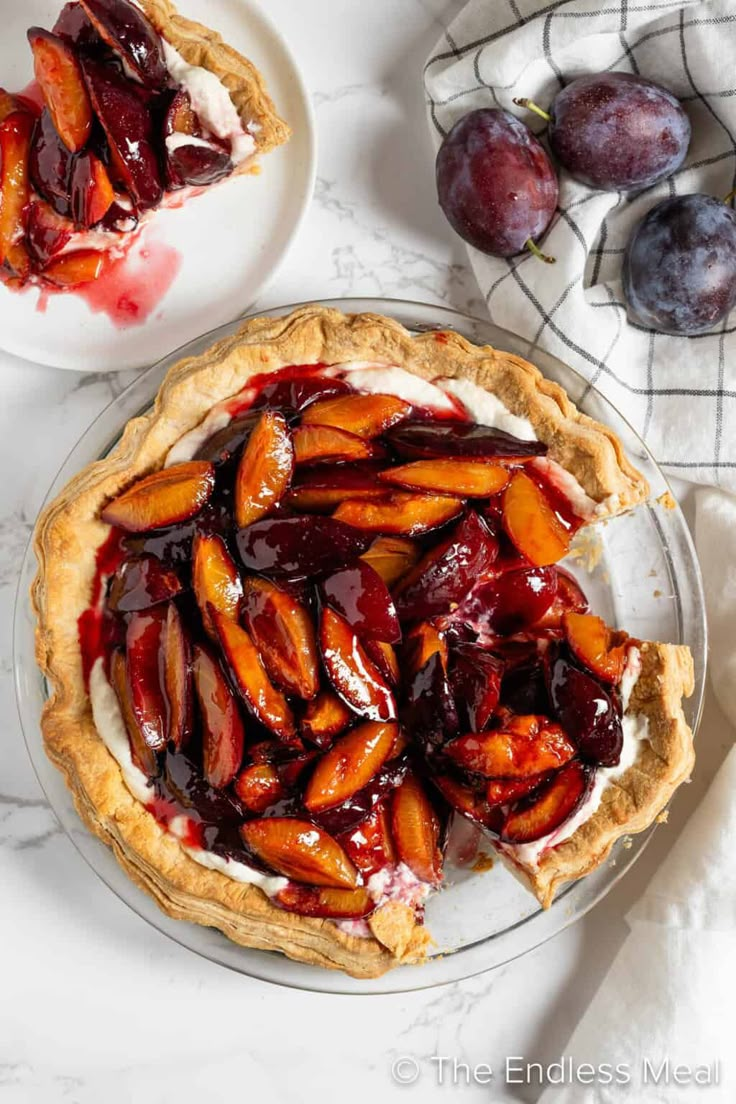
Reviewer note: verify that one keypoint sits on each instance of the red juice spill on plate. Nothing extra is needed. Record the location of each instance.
(130, 289)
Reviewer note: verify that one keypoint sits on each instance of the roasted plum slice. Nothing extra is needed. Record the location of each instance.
(385, 658)
(332, 904)
(15, 191)
(195, 162)
(142, 582)
(177, 667)
(180, 117)
(506, 791)
(46, 232)
(128, 125)
(265, 469)
(511, 602)
(369, 844)
(430, 712)
(400, 513)
(475, 678)
(295, 392)
(226, 442)
(532, 523)
(587, 711)
(353, 811)
(424, 640)
(392, 558)
(474, 478)
(570, 598)
(437, 441)
(299, 547)
(448, 571)
(71, 270)
(127, 31)
(143, 640)
(50, 165)
(75, 27)
(363, 415)
(601, 649)
(321, 489)
(144, 756)
(300, 850)
(325, 717)
(524, 687)
(468, 802)
(63, 88)
(316, 444)
(223, 734)
(349, 765)
(164, 498)
(215, 579)
(546, 809)
(355, 678)
(267, 704)
(521, 747)
(359, 594)
(415, 828)
(91, 190)
(258, 787)
(282, 630)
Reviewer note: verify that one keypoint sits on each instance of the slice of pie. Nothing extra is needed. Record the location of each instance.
(136, 107)
(308, 616)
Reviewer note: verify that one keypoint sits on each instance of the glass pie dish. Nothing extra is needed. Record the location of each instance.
(639, 571)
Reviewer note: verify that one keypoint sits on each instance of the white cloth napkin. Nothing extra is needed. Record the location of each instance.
(669, 993)
(679, 393)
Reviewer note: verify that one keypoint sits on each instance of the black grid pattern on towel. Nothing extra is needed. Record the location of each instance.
(680, 393)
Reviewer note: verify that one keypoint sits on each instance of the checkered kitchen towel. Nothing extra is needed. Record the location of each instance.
(678, 392)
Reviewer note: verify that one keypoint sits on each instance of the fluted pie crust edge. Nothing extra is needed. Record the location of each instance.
(69, 533)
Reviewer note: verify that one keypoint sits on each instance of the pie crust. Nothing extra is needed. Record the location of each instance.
(201, 46)
(69, 533)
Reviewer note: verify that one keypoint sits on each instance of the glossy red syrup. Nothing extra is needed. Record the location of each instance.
(97, 631)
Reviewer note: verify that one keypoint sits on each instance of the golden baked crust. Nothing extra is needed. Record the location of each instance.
(69, 533)
(633, 801)
(199, 45)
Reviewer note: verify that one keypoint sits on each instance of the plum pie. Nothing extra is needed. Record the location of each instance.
(308, 617)
(133, 107)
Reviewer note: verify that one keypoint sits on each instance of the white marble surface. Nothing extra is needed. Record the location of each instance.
(96, 1006)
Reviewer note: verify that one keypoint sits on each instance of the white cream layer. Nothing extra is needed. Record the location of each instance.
(211, 101)
(636, 733)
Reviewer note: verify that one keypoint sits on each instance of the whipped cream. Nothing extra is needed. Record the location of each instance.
(212, 103)
(487, 409)
(636, 734)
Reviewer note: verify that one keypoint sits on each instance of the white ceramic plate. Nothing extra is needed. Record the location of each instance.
(230, 240)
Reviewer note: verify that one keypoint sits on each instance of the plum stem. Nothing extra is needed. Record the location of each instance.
(729, 197)
(537, 252)
(530, 105)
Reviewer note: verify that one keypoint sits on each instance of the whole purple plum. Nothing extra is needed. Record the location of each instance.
(680, 265)
(618, 132)
(495, 182)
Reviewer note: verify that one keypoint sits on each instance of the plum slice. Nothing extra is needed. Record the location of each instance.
(521, 747)
(71, 270)
(401, 514)
(299, 547)
(448, 571)
(15, 147)
(75, 27)
(468, 802)
(370, 845)
(142, 754)
(506, 791)
(267, 704)
(195, 162)
(416, 830)
(322, 901)
(215, 579)
(128, 32)
(316, 444)
(143, 640)
(128, 125)
(475, 677)
(265, 469)
(60, 78)
(91, 191)
(226, 442)
(428, 441)
(355, 678)
(46, 232)
(142, 582)
(325, 717)
(298, 392)
(283, 633)
(510, 602)
(50, 165)
(177, 666)
(601, 649)
(421, 644)
(168, 496)
(258, 787)
(547, 809)
(180, 117)
(587, 712)
(385, 658)
(531, 522)
(475, 478)
(359, 594)
(320, 490)
(349, 765)
(363, 415)
(300, 850)
(392, 558)
(223, 734)
(430, 712)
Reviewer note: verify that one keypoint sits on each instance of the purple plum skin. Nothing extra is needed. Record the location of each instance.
(495, 182)
(618, 132)
(680, 265)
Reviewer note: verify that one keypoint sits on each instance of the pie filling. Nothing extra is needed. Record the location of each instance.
(121, 124)
(335, 622)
